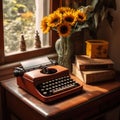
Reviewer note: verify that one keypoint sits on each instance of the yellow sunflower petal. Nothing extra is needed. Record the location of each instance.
(54, 20)
(62, 10)
(44, 25)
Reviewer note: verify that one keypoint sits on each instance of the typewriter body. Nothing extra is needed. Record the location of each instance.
(47, 83)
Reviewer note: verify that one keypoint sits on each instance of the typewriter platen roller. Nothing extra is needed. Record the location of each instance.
(49, 83)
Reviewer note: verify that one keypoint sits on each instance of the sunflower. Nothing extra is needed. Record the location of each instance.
(69, 17)
(81, 17)
(62, 10)
(64, 29)
(54, 19)
(64, 20)
(44, 26)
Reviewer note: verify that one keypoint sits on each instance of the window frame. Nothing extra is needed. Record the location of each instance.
(54, 4)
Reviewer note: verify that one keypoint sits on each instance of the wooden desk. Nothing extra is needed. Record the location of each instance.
(95, 100)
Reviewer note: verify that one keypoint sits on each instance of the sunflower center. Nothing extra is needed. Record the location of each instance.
(69, 19)
(80, 17)
(56, 20)
(63, 29)
(45, 26)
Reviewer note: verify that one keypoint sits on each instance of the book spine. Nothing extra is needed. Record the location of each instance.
(100, 76)
(95, 67)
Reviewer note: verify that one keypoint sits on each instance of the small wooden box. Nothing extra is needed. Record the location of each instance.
(97, 48)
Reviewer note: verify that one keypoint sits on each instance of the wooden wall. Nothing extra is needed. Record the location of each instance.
(113, 35)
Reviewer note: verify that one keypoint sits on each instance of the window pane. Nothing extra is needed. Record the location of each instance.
(22, 17)
(19, 17)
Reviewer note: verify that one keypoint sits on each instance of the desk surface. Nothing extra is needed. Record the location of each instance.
(69, 105)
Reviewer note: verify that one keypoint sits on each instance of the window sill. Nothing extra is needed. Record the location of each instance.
(6, 71)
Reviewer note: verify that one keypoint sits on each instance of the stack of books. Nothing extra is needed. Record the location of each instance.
(91, 70)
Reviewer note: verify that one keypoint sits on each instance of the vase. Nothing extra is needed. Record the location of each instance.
(64, 49)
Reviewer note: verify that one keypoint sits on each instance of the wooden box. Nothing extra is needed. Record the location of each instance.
(97, 48)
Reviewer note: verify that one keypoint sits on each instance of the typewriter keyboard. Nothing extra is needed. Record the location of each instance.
(57, 85)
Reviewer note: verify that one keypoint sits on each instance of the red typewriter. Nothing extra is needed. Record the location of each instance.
(47, 83)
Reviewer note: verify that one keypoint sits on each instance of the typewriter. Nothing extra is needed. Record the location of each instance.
(46, 82)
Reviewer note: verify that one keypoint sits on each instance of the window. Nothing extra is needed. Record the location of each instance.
(18, 18)
(30, 11)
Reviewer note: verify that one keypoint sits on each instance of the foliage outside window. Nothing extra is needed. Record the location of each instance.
(19, 17)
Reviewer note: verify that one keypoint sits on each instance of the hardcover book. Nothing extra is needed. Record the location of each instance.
(93, 76)
(84, 62)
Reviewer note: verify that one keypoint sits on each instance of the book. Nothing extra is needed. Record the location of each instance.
(84, 62)
(93, 76)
